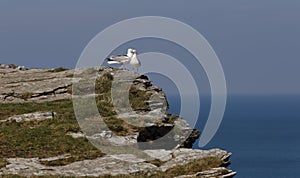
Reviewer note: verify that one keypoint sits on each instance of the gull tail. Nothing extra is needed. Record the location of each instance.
(111, 61)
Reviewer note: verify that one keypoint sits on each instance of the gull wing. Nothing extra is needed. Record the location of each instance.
(119, 58)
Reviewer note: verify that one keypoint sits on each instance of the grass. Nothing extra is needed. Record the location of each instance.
(103, 83)
(193, 167)
(48, 138)
(138, 99)
(119, 127)
(62, 106)
(14, 176)
(44, 138)
(104, 105)
(3, 163)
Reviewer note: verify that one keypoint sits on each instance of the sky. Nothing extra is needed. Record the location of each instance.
(257, 41)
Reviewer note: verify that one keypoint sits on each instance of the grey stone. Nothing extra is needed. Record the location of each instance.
(38, 116)
(76, 135)
(117, 164)
(20, 85)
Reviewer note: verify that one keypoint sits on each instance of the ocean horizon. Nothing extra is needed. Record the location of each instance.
(261, 131)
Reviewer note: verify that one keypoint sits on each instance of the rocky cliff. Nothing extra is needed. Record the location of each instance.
(41, 135)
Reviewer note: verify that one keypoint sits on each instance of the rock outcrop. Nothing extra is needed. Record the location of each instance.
(120, 164)
(142, 120)
(34, 85)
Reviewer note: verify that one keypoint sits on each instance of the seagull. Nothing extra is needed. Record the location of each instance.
(121, 59)
(135, 62)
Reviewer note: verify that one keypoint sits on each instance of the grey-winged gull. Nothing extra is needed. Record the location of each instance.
(135, 62)
(121, 59)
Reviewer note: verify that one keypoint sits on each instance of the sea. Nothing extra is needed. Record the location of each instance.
(261, 131)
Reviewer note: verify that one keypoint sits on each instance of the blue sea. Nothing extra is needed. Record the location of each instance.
(262, 132)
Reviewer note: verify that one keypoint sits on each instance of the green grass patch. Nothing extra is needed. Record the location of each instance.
(44, 138)
(119, 127)
(14, 176)
(103, 83)
(193, 167)
(105, 105)
(11, 109)
(138, 99)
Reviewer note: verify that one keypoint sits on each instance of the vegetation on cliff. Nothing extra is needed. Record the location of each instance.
(46, 139)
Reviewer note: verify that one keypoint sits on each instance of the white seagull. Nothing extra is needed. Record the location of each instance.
(135, 62)
(121, 59)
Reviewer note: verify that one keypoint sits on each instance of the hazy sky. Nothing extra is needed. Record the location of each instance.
(257, 41)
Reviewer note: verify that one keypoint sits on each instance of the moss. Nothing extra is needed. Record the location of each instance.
(105, 106)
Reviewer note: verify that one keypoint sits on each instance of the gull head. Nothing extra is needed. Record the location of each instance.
(134, 51)
(129, 52)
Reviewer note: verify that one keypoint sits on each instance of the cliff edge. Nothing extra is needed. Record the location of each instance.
(40, 134)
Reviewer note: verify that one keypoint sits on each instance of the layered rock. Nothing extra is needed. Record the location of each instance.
(34, 85)
(134, 101)
(119, 164)
(143, 117)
